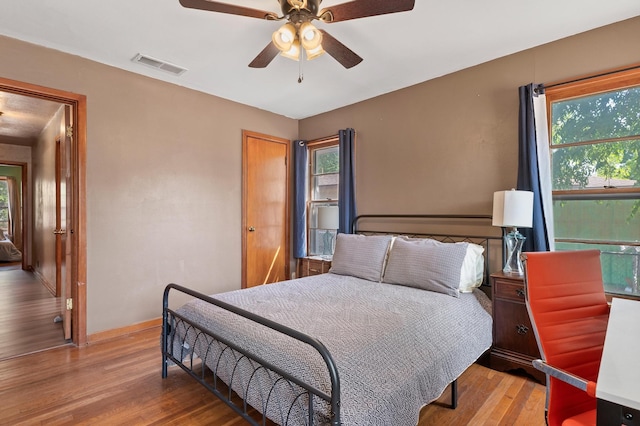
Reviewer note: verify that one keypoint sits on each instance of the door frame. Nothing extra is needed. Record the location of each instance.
(246, 134)
(77, 236)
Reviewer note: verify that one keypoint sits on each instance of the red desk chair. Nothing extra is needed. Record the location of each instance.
(569, 313)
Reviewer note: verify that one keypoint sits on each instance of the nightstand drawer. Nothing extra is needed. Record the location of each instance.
(509, 290)
(314, 266)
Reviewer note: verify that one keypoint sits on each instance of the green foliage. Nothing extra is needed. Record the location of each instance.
(604, 116)
(327, 160)
(611, 115)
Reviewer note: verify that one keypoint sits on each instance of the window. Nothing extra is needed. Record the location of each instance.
(324, 166)
(595, 167)
(4, 205)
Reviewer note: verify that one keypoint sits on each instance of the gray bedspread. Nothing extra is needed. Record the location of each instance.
(396, 348)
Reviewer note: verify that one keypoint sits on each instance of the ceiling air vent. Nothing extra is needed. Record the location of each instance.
(158, 64)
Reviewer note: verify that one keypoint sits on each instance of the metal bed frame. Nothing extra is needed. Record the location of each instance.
(210, 379)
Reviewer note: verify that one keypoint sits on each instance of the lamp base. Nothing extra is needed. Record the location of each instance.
(327, 243)
(514, 241)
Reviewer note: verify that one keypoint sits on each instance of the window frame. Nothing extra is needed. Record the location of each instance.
(313, 146)
(587, 87)
(583, 87)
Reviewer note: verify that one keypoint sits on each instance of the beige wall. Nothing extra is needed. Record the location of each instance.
(44, 199)
(163, 181)
(164, 162)
(444, 146)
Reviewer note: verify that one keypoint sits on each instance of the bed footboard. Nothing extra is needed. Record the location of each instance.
(307, 398)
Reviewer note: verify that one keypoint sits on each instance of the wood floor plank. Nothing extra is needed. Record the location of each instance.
(118, 382)
(27, 313)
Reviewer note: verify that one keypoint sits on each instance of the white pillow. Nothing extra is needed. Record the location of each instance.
(361, 256)
(472, 272)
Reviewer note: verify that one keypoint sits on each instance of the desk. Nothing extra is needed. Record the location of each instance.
(618, 386)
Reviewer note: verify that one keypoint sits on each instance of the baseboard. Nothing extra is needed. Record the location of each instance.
(123, 331)
(47, 284)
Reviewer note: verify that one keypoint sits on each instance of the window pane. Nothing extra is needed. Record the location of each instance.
(321, 242)
(325, 187)
(602, 116)
(601, 220)
(613, 164)
(597, 222)
(620, 266)
(4, 205)
(325, 160)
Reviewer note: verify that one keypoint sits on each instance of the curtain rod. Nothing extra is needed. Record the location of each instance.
(542, 86)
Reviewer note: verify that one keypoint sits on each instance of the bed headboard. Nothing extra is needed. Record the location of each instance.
(475, 229)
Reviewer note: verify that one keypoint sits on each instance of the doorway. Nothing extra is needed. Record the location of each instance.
(265, 209)
(74, 304)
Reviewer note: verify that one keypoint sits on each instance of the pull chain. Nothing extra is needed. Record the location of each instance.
(300, 72)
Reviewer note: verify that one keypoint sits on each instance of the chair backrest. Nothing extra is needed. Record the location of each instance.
(569, 313)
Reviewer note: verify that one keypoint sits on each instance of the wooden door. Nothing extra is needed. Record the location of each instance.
(265, 218)
(63, 199)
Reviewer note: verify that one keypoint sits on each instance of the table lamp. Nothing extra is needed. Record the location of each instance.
(513, 209)
(328, 220)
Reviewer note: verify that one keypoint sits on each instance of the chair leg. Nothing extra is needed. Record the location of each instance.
(454, 394)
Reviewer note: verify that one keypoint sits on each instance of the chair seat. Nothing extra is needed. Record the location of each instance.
(588, 418)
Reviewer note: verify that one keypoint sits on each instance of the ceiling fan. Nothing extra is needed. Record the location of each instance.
(299, 36)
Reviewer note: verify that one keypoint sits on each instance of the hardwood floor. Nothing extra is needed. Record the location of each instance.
(27, 312)
(119, 382)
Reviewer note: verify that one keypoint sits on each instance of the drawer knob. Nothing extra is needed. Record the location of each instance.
(522, 329)
(520, 292)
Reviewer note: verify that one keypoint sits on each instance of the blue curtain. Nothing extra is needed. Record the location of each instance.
(347, 185)
(300, 200)
(528, 171)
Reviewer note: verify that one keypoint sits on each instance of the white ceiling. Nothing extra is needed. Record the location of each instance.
(399, 50)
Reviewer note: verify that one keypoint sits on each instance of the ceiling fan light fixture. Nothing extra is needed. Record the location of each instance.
(293, 52)
(310, 37)
(298, 4)
(314, 53)
(284, 37)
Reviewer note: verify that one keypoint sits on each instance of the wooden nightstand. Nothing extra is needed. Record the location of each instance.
(313, 265)
(514, 342)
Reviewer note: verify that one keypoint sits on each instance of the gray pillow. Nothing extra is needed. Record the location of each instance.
(361, 256)
(425, 265)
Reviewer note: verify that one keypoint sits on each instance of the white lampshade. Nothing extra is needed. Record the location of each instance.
(328, 217)
(513, 209)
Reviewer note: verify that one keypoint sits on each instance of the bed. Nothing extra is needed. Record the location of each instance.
(8, 251)
(369, 343)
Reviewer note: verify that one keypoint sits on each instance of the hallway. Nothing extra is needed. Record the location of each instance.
(27, 313)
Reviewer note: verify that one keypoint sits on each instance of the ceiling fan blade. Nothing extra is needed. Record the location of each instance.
(265, 57)
(214, 6)
(363, 8)
(339, 51)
